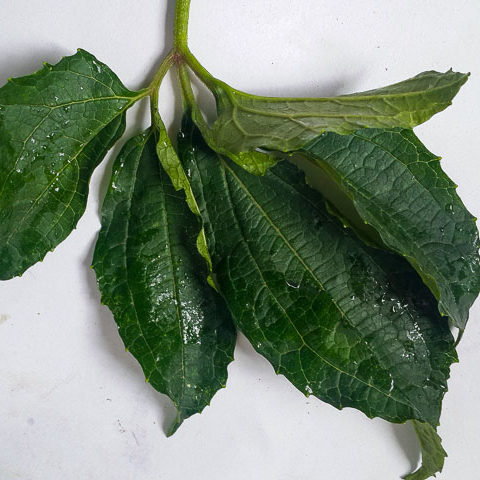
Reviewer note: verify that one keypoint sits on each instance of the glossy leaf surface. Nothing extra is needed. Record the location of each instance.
(349, 324)
(55, 127)
(399, 188)
(433, 454)
(246, 122)
(154, 281)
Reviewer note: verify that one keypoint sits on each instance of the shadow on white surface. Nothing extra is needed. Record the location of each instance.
(407, 440)
(20, 65)
(343, 85)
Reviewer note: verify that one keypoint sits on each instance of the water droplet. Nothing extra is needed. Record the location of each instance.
(98, 67)
(392, 385)
(449, 207)
(293, 285)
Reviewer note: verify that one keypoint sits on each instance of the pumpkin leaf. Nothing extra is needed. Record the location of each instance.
(349, 324)
(399, 188)
(246, 122)
(153, 279)
(55, 127)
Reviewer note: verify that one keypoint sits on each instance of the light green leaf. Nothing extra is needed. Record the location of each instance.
(171, 164)
(55, 127)
(153, 280)
(433, 454)
(247, 122)
(399, 188)
(254, 162)
(351, 325)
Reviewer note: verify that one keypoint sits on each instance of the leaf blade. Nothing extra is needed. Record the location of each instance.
(56, 126)
(433, 454)
(399, 188)
(247, 122)
(153, 280)
(295, 311)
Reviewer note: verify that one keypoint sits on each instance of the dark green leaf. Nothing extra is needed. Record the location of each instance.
(433, 454)
(399, 188)
(154, 281)
(247, 122)
(55, 127)
(350, 324)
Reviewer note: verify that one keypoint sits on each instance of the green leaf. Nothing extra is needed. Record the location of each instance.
(153, 280)
(247, 122)
(433, 454)
(399, 188)
(55, 127)
(254, 162)
(351, 325)
(171, 164)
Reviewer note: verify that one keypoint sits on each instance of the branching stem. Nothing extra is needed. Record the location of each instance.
(181, 56)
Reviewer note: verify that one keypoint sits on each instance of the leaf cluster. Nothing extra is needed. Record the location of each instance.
(220, 232)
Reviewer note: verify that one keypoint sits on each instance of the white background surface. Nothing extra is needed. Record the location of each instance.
(73, 403)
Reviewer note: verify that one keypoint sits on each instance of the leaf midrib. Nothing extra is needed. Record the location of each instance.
(175, 287)
(231, 92)
(126, 241)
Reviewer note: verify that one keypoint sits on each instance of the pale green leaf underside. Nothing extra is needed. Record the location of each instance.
(433, 454)
(399, 188)
(340, 320)
(254, 162)
(153, 280)
(247, 122)
(171, 164)
(55, 127)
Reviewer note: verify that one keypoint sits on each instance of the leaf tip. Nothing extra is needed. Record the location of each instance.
(176, 424)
